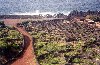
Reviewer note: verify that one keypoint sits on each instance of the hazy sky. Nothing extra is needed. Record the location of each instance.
(47, 5)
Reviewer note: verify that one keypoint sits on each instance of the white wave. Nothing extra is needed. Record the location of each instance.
(66, 13)
(37, 12)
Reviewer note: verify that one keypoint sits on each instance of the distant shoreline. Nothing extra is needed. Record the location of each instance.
(59, 15)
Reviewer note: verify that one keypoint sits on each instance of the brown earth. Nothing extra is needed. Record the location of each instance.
(28, 57)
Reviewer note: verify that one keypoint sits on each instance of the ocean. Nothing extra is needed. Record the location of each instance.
(33, 7)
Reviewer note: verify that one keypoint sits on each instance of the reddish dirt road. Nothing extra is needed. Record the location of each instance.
(28, 56)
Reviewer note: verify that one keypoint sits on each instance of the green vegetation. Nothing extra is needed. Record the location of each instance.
(58, 43)
(10, 44)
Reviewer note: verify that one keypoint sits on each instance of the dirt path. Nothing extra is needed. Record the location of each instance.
(28, 56)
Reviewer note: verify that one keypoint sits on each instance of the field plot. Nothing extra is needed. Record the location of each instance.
(59, 42)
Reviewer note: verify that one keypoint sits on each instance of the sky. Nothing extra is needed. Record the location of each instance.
(11, 6)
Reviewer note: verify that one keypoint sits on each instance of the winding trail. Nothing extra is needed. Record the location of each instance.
(28, 56)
